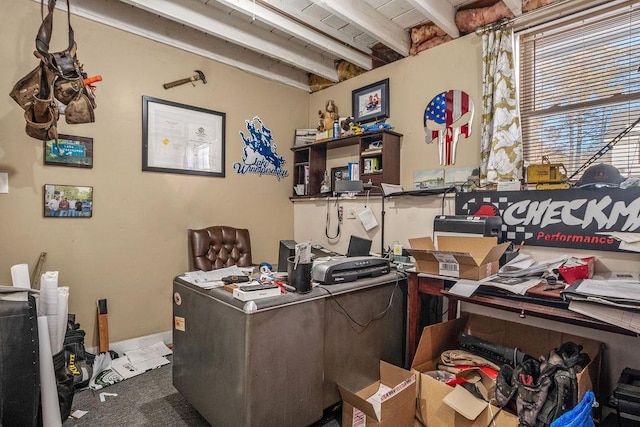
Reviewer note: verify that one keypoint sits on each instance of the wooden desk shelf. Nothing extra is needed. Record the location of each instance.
(310, 161)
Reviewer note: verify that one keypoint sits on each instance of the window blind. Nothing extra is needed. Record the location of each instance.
(579, 90)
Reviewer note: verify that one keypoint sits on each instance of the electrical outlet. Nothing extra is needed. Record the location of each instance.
(340, 214)
(351, 213)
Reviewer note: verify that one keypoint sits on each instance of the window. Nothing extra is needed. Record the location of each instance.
(580, 90)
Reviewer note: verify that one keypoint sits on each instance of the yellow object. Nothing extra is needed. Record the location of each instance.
(560, 186)
(548, 175)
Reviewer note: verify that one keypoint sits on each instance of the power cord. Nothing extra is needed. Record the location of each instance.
(328, 220)
(372, 318)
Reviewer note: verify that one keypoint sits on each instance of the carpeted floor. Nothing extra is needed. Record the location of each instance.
(146, 400)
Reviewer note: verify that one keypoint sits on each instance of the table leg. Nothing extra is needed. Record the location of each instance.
(415, 306)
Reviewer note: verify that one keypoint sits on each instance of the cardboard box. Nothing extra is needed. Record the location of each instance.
(471, 258)
(397, 407)
(533, 341)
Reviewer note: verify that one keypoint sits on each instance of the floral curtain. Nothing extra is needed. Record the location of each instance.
(501, 139)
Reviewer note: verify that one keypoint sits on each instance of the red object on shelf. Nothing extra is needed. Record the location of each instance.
(576, 272)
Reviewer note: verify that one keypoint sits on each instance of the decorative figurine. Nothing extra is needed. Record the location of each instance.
(324, 186)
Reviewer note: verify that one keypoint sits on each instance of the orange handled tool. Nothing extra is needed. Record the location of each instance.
(93, 79)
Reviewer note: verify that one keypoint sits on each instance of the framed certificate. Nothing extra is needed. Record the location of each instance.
(178, 138)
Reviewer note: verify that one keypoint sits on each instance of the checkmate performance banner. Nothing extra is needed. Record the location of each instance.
(571, 218)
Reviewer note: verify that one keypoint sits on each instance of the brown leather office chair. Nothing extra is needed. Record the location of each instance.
(219, 246)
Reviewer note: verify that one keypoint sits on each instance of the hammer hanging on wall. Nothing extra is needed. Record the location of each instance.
(200, 76)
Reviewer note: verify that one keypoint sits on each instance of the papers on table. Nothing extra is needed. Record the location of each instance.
(615, 301)
(212, 279)
(623, 318)
(524, 265)
(516, 285)
(628, 241)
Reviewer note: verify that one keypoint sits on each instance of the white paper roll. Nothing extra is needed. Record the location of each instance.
(48, 385)
(61, 318)
(20, 276)
(48, 303)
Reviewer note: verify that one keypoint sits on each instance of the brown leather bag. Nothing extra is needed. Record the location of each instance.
(59, 76)
(69, 87)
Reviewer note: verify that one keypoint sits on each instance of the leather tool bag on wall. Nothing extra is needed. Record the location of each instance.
(58, 78)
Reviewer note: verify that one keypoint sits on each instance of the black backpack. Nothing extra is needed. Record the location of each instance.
(542, 390)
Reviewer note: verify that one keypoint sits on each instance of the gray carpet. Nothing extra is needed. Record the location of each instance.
(146, 400)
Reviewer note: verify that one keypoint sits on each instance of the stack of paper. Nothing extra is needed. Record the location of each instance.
(212, 279)
(615, 300)
(524, 265)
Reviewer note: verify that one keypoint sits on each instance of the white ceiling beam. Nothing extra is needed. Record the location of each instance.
(514, 6)
(440, 13)
(135, 21)
(286, 7)
(370, 21)
(299, 31)
(207, 19)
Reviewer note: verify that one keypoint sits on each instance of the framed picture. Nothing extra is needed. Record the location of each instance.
(68, 201)
(178, 138)
(371, 103)
(69, 150)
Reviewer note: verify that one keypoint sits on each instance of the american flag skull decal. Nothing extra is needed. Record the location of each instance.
(447, 116)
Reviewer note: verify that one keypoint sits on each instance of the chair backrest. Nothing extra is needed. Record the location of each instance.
(219, 246)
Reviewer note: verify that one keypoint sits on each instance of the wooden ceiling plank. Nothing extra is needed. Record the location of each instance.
(298, 30)
(440, 13)
(136, 21)
(202, 17)
(370, 21)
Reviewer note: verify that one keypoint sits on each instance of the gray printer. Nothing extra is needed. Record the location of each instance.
(349, 269)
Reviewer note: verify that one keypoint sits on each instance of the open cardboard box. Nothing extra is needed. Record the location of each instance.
(471, 258)
(397, 407)
(533, 341)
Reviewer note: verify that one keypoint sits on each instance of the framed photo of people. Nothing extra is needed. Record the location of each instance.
(67, 201)
(179, 138)
(371, 103)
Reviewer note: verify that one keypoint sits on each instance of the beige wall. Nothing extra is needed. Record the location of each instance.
(413, 82)
(136, 242)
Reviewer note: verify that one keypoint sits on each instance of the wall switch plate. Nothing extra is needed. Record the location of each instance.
(4, 183)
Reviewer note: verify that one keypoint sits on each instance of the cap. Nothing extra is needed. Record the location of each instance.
(600, 175)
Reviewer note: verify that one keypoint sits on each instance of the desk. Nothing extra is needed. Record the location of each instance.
(525, 309)
(420, 283)
(278, 365)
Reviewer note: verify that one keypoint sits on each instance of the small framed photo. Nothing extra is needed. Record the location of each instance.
(69, 150)
(68, 201)
(371, 103)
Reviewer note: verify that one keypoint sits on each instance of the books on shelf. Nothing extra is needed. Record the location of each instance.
(372, 165)
(354, 171)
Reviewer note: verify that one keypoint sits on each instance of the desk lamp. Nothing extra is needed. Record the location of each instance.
(357, 186)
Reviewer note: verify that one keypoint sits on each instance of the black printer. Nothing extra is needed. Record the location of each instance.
(481, 226)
